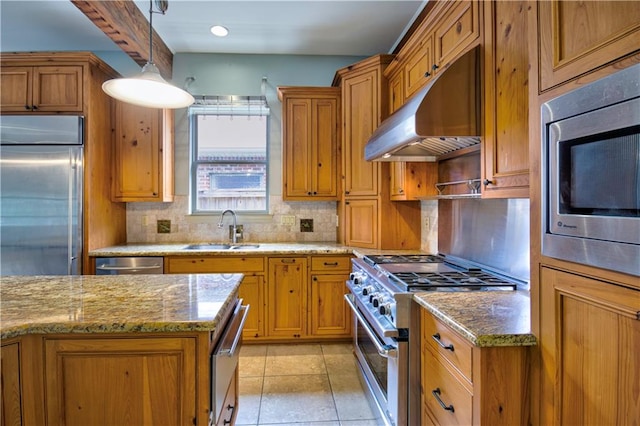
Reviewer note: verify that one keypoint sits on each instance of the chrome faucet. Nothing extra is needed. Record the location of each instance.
(234, 230)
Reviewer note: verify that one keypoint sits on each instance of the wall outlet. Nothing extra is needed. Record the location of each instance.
(288, 220)
(427, 222)
(164, 226)
(306, 225)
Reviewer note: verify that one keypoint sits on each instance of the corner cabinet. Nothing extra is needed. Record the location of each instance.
(462, 384)
(576, 38)
(310, 127)
(143, 154)
(505, 146)
(367, 216)
(589, 344)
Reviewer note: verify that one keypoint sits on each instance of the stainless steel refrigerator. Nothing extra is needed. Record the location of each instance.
(41, 168)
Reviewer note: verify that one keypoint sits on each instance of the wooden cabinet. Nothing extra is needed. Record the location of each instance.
(329, 314)
(412, 180)
(287, 297)
(467, 385)
(505, 146)
(576, 38)
(252, 288)
(589, 343)
(121, 381)
(71, 83)
(420, 66)
(41, 88)
(310, 127)
(142, 154)
(457, 29)
(10, 392)
(366, 209)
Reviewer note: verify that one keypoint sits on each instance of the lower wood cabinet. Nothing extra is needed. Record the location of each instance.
(10, 395)
(91, 381)
(590, 346)
(467, 385)
(287, 297)
(291, 298)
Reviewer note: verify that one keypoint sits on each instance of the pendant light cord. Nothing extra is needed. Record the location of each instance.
(151, 31)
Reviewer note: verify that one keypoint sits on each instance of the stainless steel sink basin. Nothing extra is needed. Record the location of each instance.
(208, 246)
(218, 246)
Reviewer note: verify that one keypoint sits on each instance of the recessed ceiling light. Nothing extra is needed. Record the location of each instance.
(219, 30)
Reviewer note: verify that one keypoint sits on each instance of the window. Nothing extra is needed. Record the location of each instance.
(229, 160)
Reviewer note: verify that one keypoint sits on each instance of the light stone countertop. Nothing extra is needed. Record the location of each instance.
(114, 303)
(484, 318)
(178, 249)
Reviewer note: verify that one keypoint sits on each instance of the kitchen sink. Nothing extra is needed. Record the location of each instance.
(218, 246)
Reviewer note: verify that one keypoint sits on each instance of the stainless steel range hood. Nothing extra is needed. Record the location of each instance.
(442, 117)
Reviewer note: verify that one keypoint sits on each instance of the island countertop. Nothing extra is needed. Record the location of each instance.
(484, 318)
(114, 303)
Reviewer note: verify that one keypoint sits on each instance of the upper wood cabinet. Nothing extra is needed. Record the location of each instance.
(505, 146)
(142, 154)
(412, 180)
(41, 88)
(310, 127)
(589, 344)
(578, 37)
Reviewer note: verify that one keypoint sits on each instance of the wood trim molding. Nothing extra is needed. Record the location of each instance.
(127, 26)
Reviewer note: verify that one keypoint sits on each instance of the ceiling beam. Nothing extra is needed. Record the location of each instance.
(127, 26)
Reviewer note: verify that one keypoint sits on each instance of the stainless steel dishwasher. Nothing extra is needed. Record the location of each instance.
(129, 265)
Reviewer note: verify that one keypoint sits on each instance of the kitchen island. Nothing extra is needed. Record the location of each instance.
(124, 349)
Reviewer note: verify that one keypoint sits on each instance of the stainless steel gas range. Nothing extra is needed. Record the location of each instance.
(386, 337)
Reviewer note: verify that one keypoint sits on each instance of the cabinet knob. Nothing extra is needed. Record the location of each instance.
(319, 164)
(434, 67)
(35, 107)
(346, 192)
(27, 107)
(309, 193)
(427, 74)
(487, 182)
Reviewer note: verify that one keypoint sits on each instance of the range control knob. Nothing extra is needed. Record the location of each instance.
(385, 309)
(367, 290)
(377, 301)
(357, 277)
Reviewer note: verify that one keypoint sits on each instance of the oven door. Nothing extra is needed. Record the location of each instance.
(383, 364)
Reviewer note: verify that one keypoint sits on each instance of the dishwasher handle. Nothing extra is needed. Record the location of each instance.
(231, 338)
(127, 268)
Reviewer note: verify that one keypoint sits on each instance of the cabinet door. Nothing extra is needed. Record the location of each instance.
(252, 293)
(297, 148)
(11, 395)
(143, 154)
(329, 313)
(396, 91)
(505, 147)
(15, 88)
(57, 88)
(419, 69)
(287, 292)
(589, 341)
(324, 161)
(361, 100)
(412, 180)
(120, 381)
(578, 37)
(361, 223)
(457, 30)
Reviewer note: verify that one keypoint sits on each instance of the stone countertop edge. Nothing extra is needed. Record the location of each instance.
(178, 249)
(485, 319)
(114, 303)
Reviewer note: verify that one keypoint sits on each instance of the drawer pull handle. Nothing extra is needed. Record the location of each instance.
(436, 394)
(448, 347)
(288, 261)
(330, 263)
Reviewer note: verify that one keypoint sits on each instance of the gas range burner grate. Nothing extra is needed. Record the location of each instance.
(467, 280)
(404, 258)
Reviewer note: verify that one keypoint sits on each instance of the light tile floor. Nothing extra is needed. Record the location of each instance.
(301, 384)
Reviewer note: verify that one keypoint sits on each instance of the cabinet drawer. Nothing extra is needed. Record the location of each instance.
(199, 264)
(438, 382)
(447, 344)
(330, 263)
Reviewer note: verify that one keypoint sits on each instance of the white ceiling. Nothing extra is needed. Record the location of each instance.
(301, 27)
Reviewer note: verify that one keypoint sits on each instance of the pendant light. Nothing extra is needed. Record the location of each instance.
(149, 89)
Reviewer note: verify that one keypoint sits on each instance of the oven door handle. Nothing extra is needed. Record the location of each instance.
(385, 351)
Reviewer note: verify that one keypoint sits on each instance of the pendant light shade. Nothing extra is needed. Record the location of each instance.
(148, 89)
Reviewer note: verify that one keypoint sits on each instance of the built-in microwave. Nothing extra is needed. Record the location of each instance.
(591, 174)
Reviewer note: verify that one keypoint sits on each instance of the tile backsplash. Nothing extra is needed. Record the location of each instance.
(142, 223)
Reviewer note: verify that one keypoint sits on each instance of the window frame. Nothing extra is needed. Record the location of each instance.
(241, 106)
